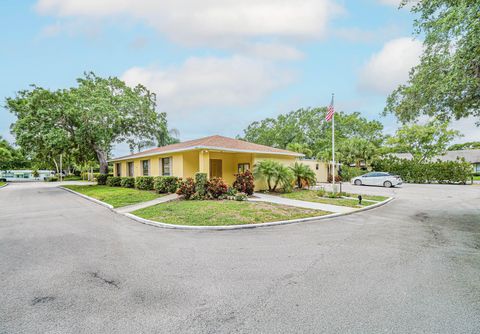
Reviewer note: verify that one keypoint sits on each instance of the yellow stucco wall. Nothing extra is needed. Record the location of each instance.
(186, 164)
(321, 172)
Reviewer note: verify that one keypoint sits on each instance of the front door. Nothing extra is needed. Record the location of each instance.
(215, 168)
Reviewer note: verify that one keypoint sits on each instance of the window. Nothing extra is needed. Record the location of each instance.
(243, 167)
(130, 168)
(118, 169)
(215, 168)
(145, 167)
(166, 166)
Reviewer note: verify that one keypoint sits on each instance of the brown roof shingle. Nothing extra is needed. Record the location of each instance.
(212, 142)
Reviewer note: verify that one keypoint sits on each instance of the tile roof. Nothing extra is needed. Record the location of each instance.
(212, 143)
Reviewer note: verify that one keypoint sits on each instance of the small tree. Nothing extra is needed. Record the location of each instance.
(303, 174)
(274, 173)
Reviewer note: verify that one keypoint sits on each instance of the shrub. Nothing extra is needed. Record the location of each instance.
(51, 179)
(458, 171)
(336, 194)
(231, 191)
(303, 174)
(321, 192)
(241, 196)
(102, 179)
(186, 188)
(338, 178)
(165, 184)
(114, 181)
(201, 182)
(347, 173)
(127, 182)
(144, 182)
(244, 182)
(216, 187)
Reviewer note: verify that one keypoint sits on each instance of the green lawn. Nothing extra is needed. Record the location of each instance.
(2, 183)
(311, 196)
(115, 196)
(476, 178)
(217, 213)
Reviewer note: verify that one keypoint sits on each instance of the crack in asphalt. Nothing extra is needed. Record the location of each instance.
(42, 300)
(110, 282)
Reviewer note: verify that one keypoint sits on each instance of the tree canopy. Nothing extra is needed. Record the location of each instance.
(422, 141)
(10, 157)
(85, 121)
(471, 145)
(446, 83)
(306, 131)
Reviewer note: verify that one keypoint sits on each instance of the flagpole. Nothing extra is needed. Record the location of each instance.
(333, 147)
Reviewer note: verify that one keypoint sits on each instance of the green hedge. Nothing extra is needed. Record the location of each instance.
(347, 173)
(102, 179)
(127, 182)
(201, 182)
(144, 182)
(411, 171)
(114, 181)
(166, 184)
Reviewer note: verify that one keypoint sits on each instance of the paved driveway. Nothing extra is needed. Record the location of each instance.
(70, 266)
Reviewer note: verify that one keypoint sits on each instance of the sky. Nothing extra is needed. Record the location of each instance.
(216, 65)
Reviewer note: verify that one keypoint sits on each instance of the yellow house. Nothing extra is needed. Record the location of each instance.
(217, 156)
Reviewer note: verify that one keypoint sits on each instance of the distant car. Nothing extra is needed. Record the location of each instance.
(381, 179)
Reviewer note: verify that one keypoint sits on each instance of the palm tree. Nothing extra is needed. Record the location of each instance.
(304, 173)
(274, 173)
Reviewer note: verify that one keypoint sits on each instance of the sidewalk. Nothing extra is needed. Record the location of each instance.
(301, 204)
(133, 207)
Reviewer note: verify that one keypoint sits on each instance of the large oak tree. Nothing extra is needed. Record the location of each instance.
(85, 120)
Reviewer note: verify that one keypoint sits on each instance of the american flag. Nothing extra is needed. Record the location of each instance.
(330, 112)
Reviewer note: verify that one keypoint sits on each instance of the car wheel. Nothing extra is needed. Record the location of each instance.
(358, 182)
(387, 184)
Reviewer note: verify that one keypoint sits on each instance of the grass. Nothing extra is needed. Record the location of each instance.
(218, 213)
(311, 196)
(115, 196)
(2, 183)
(476, 178)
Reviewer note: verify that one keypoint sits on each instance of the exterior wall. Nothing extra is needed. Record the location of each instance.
(285, 160)
(186, 164)
(321, 173)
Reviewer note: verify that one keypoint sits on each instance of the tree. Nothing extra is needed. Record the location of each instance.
(355, 150)
(10, 157)
(446, 83)
(274, 173)
(300, 148)
(423, 141)
(303, 173)
(88, 118)
(307, 129)
(472, 145)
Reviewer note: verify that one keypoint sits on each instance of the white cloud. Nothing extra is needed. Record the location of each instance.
(390, 67)
(220, 22)
(208, 83)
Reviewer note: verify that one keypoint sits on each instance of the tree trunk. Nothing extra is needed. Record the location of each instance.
(56, 165)
(299, 183)
(102, 160)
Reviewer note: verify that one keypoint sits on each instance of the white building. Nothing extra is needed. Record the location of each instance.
(25, 175)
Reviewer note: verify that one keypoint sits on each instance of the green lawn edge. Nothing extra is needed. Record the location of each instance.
(223, 213)
(311, 196)
(115, 196)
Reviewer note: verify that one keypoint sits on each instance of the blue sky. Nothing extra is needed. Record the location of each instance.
(216, 65)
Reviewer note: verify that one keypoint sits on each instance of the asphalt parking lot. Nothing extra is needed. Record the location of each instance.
(68, 265)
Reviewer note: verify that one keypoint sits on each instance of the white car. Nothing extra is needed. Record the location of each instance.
(377, 179)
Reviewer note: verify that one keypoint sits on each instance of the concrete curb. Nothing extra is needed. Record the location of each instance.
(89, 198)
(249, 226)
(6, 184)
(226, 227)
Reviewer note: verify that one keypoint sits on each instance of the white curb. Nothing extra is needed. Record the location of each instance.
(6, 184)
(89, 198)
(247, 226)
(226, 227)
